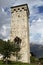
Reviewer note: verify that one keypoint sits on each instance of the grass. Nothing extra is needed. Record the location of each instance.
(16, 63)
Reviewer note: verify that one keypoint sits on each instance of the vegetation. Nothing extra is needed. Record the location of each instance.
(7, 48)
(17, 42)
(33, 59)
(41, 60)
(17, 63)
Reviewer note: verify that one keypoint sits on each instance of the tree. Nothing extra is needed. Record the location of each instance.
(41, 60)
(32, 54)
(1, 45)
(17, 42)
(6, 49)
(33, 58)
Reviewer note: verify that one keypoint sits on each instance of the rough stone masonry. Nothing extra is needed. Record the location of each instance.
(20, 29)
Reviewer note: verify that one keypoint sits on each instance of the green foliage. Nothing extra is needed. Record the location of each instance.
(17, 63)
(1, 45)
(17, 42)
(41, 60)
(32, 59)
(5, 48)
(8, 48)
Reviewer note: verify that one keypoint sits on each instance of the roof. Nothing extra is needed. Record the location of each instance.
(19, 5)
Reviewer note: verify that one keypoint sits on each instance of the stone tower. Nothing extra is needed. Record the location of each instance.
(19, 28)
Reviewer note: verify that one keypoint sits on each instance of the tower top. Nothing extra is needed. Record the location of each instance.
(19, 8)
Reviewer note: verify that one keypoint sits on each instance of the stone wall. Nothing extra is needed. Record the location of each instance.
(19, 28)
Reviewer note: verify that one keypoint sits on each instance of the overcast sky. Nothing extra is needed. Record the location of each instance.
(36, 18)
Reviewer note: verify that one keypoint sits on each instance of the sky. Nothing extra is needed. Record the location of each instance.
(35, 21)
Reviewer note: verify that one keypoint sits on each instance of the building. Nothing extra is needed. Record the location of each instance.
(20, 29)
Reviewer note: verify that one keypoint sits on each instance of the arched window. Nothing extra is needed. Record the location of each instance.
(17, 42)
(17, 39)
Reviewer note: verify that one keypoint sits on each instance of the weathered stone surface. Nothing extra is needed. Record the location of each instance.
(19, 28)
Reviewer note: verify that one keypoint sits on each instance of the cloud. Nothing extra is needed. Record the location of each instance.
(40, 8)
(36, 18)
(36, 31)
(36, 13)
(5, 31)
(6, 11)
(2, 9)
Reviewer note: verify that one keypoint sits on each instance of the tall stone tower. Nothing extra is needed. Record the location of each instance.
(20, 29)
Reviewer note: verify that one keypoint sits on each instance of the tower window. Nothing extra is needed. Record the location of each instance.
(22, 7)
(18, 8)
(17, 39)
(14, 9)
